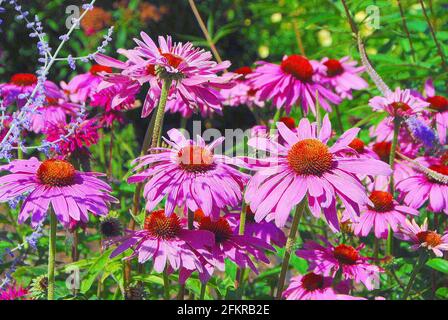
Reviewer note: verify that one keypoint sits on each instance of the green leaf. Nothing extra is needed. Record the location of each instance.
(438, 264)
(442, 293)
(95, 269)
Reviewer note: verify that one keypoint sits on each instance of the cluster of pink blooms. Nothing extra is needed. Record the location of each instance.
(341, 181)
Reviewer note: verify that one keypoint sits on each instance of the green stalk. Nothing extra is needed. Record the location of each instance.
(166, 285)
(51, 255)
(339, 119)
(203, 288)
(277, 116)
(289, 246)
(240, 272)
(160, 112)
(417, 267)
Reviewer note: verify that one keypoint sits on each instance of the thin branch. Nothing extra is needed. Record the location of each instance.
(298, 36)
(406, 30)
(350, 19)
(433, 34)
(205, 31)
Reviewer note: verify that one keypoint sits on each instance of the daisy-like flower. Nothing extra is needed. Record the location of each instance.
(419, 188)
(194, 73)
(343, 76)
(292, 82)
(312, 286)
(71, 193)
(13, 292)
(166, 243)
(242, 250)
(421, 237)
(329, 259)
(385, 213)
(24, 84)
(306, 167)
(399, 103)
(190, 174)
(82, 86)
(264, 230)
(243, 93)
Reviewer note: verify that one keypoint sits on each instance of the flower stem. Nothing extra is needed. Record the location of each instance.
(417, 267)
(240, 271)
(289, 245)
(205, 31)
(51, 255)
(393, 151)
(277, 116)
(406, 30)
(160, 112)
(433, 34)
(166, 285)
(203, 289)
(339, 118)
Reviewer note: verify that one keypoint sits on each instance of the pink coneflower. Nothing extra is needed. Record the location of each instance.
(71, 193)
(343, 76)
(194, 75)
(24, 83)
(190, 174)
(13, 293)
(385, 213)
(242, 250)
(243, 93)
(82, 86)
(330, 259)
(291, 82)
(166, 243)
(421, 237)
(306, 167)
(399, 103)
(81, 138)
(439, 105)
(264, 230)
(419, 188)
(312, 286)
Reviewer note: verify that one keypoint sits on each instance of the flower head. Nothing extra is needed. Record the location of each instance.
(71, 193)
(313, 286)
(421, 237)
(164, 240)
(190, 174)
(343, 76)
(329, 259)
(13, 293)
(306, 167)
(385, 213)
(399, 103)
(291, 82)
